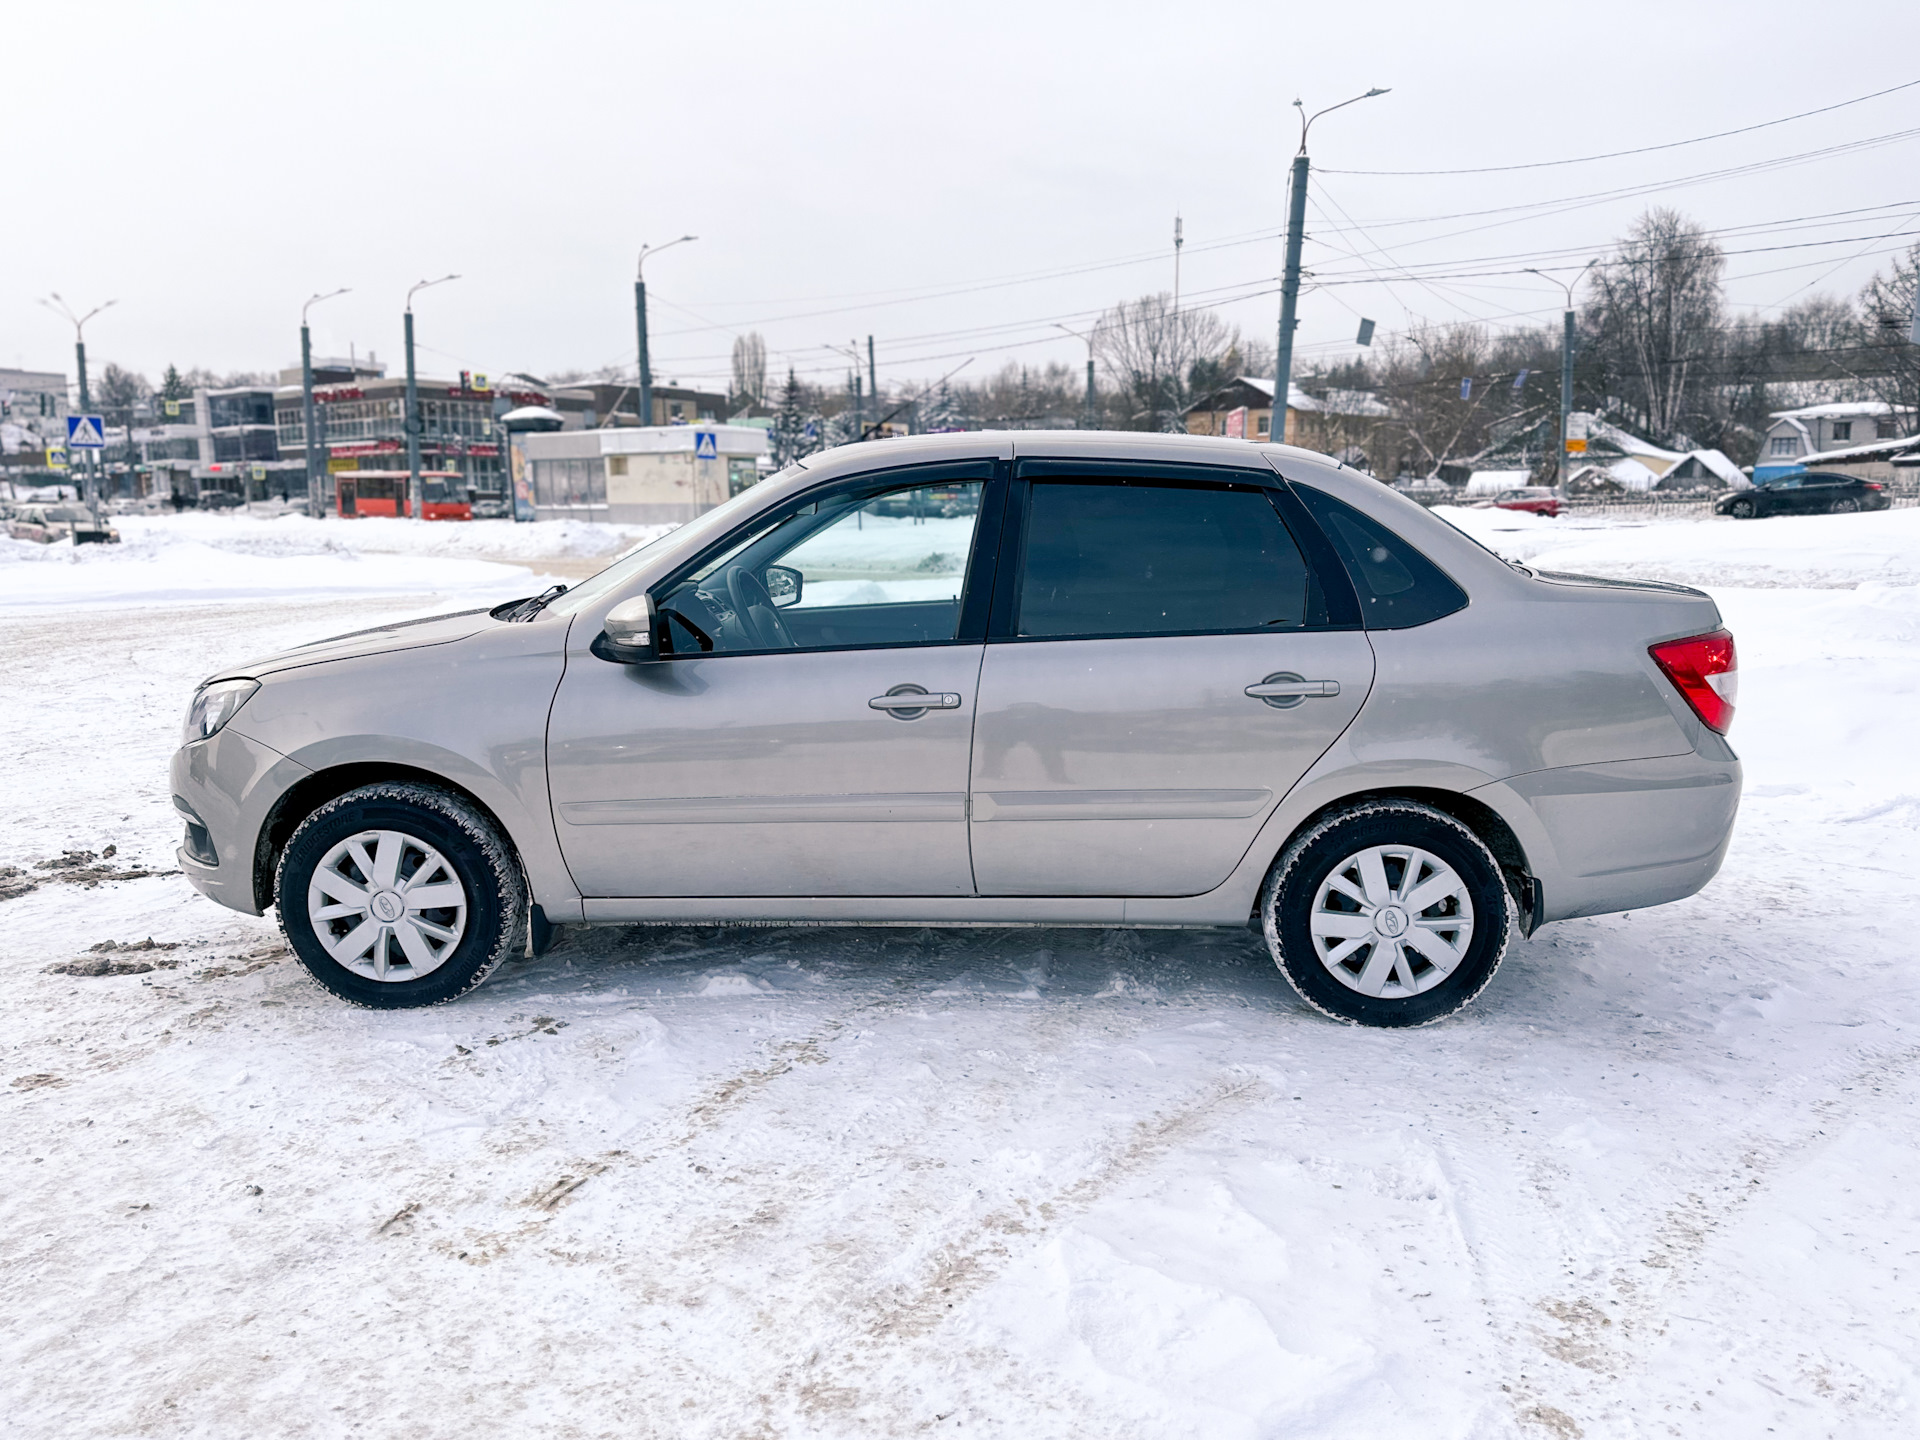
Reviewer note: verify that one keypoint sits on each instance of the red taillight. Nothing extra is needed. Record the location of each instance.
(1704, 670)
(1872, 485)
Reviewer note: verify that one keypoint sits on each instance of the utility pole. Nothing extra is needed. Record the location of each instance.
(873, 383)
(416, 504)
(60, 307)
(640, 316)
(1566, 364)
(1290, 281)
(1091, 413)
(310, 446)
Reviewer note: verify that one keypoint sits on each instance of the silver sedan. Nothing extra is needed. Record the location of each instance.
(997, 679)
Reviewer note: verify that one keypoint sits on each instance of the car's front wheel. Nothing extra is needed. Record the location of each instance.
(1742, 510)
(1391, 913)
(399, 895)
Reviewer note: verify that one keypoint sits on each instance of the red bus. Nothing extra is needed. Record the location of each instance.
(384, 492)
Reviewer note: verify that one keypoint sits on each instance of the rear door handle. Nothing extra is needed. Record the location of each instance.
(1286, 690)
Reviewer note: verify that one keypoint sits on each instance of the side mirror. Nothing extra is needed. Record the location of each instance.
(626, 635)
(783, 586)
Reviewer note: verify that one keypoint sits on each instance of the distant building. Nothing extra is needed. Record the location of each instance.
(590, 406)
(1796, 436)
(639, 475)
(33, 413)
(362, 425)
(1342, 423)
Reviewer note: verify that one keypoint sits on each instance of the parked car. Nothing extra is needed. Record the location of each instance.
(1018, 679)
(1534, 499)
(219, 500)
(1808, 493)
(50, 524)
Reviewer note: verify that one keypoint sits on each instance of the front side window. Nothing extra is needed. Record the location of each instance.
(1112, 558)
(859, 570)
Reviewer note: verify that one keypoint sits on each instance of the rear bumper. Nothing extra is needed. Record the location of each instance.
(1631, 833)
(229, 783)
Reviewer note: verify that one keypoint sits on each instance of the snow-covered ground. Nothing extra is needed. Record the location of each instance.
(1660, 1180)
(202, 558)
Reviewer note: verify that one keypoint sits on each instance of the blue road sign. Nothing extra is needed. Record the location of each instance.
(86, 432)
(706, 445)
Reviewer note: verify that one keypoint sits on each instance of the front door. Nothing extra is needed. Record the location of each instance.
(1162, 672)
(808, 734)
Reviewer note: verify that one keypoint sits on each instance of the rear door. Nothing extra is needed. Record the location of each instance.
(1164, 664)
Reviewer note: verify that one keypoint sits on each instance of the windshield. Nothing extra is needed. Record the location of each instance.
(715, 520)
(68, 512)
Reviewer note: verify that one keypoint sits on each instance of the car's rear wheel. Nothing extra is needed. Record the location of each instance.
(1845, 507)
(400, 895)
(1743, 510)
(1391, 913)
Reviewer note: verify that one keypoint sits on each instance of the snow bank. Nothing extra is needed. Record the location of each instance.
(1809, 551)
(210, 558)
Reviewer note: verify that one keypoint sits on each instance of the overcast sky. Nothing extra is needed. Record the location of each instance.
(951, 180)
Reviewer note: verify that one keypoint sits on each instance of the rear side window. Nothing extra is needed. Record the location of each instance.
(1115, 557)
(1398, 586)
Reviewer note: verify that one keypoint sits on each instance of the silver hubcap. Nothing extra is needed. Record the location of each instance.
(1392, 921)
(387, 906)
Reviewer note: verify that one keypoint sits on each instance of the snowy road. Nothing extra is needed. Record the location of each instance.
(1659, 1180)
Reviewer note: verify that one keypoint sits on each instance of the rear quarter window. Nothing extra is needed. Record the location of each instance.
(1397, 585)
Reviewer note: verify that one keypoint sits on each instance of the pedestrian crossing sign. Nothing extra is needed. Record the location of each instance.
(706, 445)
(86, 432)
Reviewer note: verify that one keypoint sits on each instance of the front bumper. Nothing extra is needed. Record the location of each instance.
(229, 785)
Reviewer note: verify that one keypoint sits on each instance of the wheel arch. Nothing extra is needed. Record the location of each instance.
(313, 790)
(1481, 818)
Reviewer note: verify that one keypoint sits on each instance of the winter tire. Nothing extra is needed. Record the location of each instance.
(400, 895)
(1742, 509)
(1390, 914)
(1845, 507)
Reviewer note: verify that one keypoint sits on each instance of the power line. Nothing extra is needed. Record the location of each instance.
(1643, 149)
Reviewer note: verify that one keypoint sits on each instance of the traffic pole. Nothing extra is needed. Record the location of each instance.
(414, 507)
(1289, 299)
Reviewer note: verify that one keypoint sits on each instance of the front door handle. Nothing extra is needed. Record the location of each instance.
(910, 702)
(1286, 690)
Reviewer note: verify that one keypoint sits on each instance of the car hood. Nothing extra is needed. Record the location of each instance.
(401, 635)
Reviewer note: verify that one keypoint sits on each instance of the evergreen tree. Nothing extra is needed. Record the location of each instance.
(172, 387)
(940, 412)
(796, 430)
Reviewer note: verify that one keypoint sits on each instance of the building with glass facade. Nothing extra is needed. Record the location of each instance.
(362, 425)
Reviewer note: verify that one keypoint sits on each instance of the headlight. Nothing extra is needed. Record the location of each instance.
(214, 705)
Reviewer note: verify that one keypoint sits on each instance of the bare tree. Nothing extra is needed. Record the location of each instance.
(118, 392)
(1150, 350)
(749, 369)
(1888, 305)
(1658, 323)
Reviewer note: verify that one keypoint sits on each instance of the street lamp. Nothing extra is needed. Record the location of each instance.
(310, 439)
(1290, 282)
(1086, 419)
(640, 312)
(415, 505)
(1566, 360)
(79, 322)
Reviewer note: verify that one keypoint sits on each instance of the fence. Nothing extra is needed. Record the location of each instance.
(1653, 504)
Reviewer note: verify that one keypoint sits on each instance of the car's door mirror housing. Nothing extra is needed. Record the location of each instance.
(784, 584)
(626, 634)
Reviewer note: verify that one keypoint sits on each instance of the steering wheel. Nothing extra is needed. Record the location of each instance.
(754, 607)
